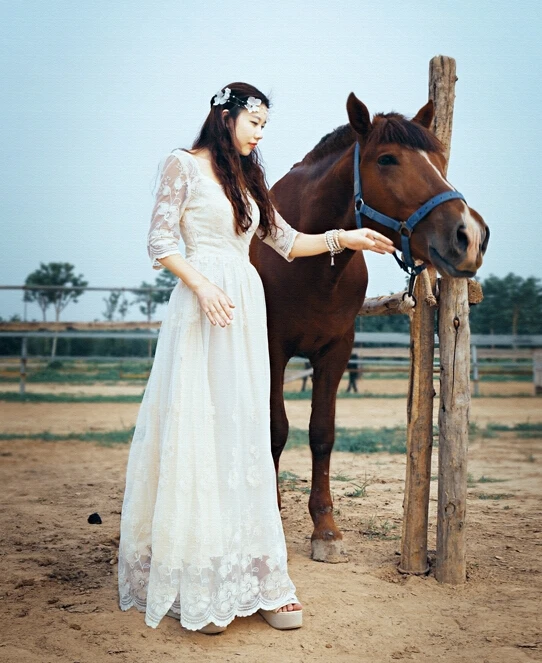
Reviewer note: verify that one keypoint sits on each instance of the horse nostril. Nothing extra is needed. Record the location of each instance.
(462, 238)
(484, 243)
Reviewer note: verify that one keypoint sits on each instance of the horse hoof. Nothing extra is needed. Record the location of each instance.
(332, 552)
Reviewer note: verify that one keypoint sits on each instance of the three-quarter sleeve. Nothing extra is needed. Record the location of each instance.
(172, 196)
(280, 237)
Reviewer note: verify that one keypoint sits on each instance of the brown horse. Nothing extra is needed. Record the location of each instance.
(312, 306)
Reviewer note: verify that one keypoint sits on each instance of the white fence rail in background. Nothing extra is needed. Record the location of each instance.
(371, 356)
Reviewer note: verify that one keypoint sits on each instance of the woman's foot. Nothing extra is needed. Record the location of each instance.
(290, 607)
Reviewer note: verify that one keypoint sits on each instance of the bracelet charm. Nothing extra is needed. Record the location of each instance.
(332, 242)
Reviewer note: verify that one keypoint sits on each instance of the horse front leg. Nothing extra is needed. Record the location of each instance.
(326, 541)
(279, 420)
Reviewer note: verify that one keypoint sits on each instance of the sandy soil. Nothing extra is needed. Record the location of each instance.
(367, 386)
(58, 587)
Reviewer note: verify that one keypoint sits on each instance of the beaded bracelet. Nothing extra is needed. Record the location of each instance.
(332, 242)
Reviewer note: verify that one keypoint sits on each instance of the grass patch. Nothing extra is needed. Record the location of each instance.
(371, 440)
(378, 528)
(292, 481)
(15, 397)
(340, 477)
(471, 481)
(307, 395)
(484, 479)
(47, 375)
(494, 496)
(529, 427)
(523, 430)
(358, 440)
(507, 378)
(360, 490)
(523, 427)
(78, 372)
(122, 436)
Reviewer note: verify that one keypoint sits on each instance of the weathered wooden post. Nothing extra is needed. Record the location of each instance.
(419, 432)
(454, 348)
(420, 393)
(475, 369)
(537, 372)
(22, 370)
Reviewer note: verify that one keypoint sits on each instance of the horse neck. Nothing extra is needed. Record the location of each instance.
(332, 205)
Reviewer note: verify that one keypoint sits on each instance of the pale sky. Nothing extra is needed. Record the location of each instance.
(94, 94)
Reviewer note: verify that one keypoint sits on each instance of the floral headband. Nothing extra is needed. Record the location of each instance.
(251, 104)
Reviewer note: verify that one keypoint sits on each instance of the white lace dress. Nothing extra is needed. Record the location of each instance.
(201, 532)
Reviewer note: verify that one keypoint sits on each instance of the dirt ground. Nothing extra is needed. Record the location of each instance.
(371, 386)
(351, 413)
(58, 599)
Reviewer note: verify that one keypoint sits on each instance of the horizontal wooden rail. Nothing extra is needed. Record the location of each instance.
(77, 326)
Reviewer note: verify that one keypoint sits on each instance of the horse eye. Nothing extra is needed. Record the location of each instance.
(387, 160)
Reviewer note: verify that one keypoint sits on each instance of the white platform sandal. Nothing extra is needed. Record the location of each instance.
(283, 621)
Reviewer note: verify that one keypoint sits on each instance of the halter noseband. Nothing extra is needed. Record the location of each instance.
(404, 228)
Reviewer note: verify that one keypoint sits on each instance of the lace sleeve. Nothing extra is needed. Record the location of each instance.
(281, 237)
(172, 196)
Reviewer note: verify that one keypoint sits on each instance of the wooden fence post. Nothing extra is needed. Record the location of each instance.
(419, 433)
(475, 369)
(454, 342)
(537, 372)
(22, 370)
(454, 349)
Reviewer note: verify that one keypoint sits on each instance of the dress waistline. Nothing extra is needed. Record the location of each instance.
(218, 257)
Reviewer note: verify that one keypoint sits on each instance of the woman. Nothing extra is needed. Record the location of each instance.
(201, 535)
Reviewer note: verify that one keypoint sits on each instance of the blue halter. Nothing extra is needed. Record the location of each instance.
(404, 228)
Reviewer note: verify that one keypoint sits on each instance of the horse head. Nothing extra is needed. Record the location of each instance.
(402, 166)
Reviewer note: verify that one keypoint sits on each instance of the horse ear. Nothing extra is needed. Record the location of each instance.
(358, 115)
(425, 115)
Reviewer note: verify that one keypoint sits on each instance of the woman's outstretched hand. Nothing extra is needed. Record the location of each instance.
(366, 239)
(215, 303)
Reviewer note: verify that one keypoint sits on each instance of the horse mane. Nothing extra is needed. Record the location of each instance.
(387, 128)
(336, 140)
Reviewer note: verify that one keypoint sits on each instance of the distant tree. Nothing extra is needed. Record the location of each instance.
(116, 303)
(123, 307)
(146, 301)
(50, 274)
(111, 304)
(511, 305)
(164, 280)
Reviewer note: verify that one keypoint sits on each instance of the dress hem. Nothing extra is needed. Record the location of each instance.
(219, 622)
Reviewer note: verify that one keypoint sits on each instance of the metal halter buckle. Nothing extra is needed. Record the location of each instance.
(404, 230)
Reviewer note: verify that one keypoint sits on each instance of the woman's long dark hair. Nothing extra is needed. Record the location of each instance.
(237, 174)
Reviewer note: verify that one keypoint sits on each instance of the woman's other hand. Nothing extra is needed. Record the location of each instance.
(366, 239)
(215, 303)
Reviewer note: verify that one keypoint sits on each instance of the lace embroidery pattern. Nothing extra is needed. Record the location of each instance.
(230, 586)
(281, 237)
(173, 193)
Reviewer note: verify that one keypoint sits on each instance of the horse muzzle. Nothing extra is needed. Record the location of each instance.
(462, 254)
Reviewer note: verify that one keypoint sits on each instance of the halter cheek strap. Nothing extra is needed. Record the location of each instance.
(404, 228)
